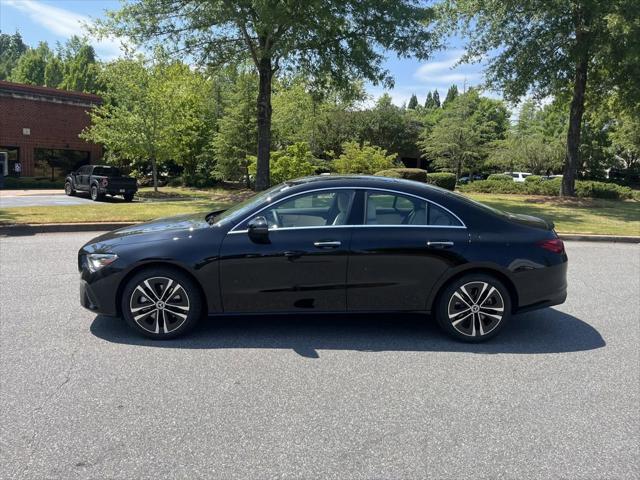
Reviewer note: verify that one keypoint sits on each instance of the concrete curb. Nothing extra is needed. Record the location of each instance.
(32, 229)
(598, 238)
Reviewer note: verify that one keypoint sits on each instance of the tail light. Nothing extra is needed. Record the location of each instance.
(554, 245)
(105, 182)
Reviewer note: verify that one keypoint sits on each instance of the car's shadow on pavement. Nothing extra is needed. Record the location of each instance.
(543, 331)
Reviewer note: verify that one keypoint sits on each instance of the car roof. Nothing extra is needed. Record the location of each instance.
(361, 181)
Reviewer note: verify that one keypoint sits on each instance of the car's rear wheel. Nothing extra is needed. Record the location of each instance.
(161, 303)
(474, 308)
(68, 189)
(95, 194)
(128, 197)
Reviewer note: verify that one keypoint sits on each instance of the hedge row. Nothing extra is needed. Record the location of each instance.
(537, 186)
(440, 179)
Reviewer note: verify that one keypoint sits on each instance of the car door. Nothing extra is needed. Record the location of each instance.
(83, 178)
(303, 264)
(405, 243)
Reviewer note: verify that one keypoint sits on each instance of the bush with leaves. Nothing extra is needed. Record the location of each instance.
(550, 188)
(416, 174)
(364, 158)
(291, 162)
(442, 179)
(500, 177)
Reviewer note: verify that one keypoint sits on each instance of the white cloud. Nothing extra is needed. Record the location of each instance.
(443, 73)
(65, 24)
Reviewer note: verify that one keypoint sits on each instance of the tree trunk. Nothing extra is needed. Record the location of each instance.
(154, 171)
(572, 160)
(264, 123)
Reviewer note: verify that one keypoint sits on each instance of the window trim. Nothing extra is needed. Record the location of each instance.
(461, 226)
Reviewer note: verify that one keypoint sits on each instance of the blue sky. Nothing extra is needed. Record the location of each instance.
(57, 20)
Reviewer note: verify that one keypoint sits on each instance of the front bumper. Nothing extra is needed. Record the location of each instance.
(99, 291)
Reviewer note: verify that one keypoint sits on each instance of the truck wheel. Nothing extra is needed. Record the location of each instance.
(95, 194)
(128, 197)
(68, 189)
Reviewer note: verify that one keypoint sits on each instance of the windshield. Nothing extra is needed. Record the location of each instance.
(240, 209)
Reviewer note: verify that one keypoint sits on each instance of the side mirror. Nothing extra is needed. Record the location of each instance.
(258, 230)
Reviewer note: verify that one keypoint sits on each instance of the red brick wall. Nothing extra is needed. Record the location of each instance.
(53, 125)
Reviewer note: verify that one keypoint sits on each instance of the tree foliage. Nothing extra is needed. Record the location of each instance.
(551, 47)
(366, 158)
(327, 39)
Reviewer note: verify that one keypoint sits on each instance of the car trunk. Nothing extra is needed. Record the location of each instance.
(530, 221)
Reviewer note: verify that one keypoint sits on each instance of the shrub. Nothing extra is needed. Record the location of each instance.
(416, 174)
(500, 177)
(442, 179)
(533, 178)
(494, 186)
(291, 162)
(32, 183)
(586, 188)
(551, 188)
(363, 159)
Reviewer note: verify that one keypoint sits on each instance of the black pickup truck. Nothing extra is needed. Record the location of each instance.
(100, 180)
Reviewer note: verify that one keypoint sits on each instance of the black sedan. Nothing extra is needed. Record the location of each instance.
(329, 244)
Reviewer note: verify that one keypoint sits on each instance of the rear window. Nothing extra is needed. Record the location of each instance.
(107, 171)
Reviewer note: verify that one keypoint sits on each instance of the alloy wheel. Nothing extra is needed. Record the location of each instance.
(159, 305)
(476, 308)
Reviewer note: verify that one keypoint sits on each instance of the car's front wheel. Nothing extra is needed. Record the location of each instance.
(474, 308)
(68, 189)
(161, 303)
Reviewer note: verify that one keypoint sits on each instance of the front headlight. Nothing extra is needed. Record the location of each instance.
(95, 261)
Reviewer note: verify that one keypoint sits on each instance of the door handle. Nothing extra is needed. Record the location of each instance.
(440, 244)
(327, 244)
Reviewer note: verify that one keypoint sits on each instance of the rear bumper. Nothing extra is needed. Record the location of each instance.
(541, 287)
(116, 191)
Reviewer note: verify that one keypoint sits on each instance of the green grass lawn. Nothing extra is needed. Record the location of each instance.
(595, 216)
(584, 215)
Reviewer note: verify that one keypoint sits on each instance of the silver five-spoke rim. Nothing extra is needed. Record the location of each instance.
(475, 309)
(159, 305)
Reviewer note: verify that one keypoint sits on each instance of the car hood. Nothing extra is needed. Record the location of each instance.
(159, 229)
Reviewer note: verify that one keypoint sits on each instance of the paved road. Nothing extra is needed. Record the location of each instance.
(46, 200)
(555, 396)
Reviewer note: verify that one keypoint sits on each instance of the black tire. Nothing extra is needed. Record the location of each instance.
(68, 189)
(96, 196)
(473, 316)
(128, 197)
(166, 321)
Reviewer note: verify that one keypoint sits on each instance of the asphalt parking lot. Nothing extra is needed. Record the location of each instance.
(556, 395)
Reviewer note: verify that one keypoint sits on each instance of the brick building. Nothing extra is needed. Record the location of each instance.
(40, 124)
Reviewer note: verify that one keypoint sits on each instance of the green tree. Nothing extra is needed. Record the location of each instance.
(452, 94)
(11, 49)
(293, 161)
(456, 140)
(340, 40)
(235, 140)
(53, 72)
(429, 103)
(142, 119)
(365, 158)
(31, 66)
(413, 102)
(436, 99)
(80, 68)
(552, 47)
